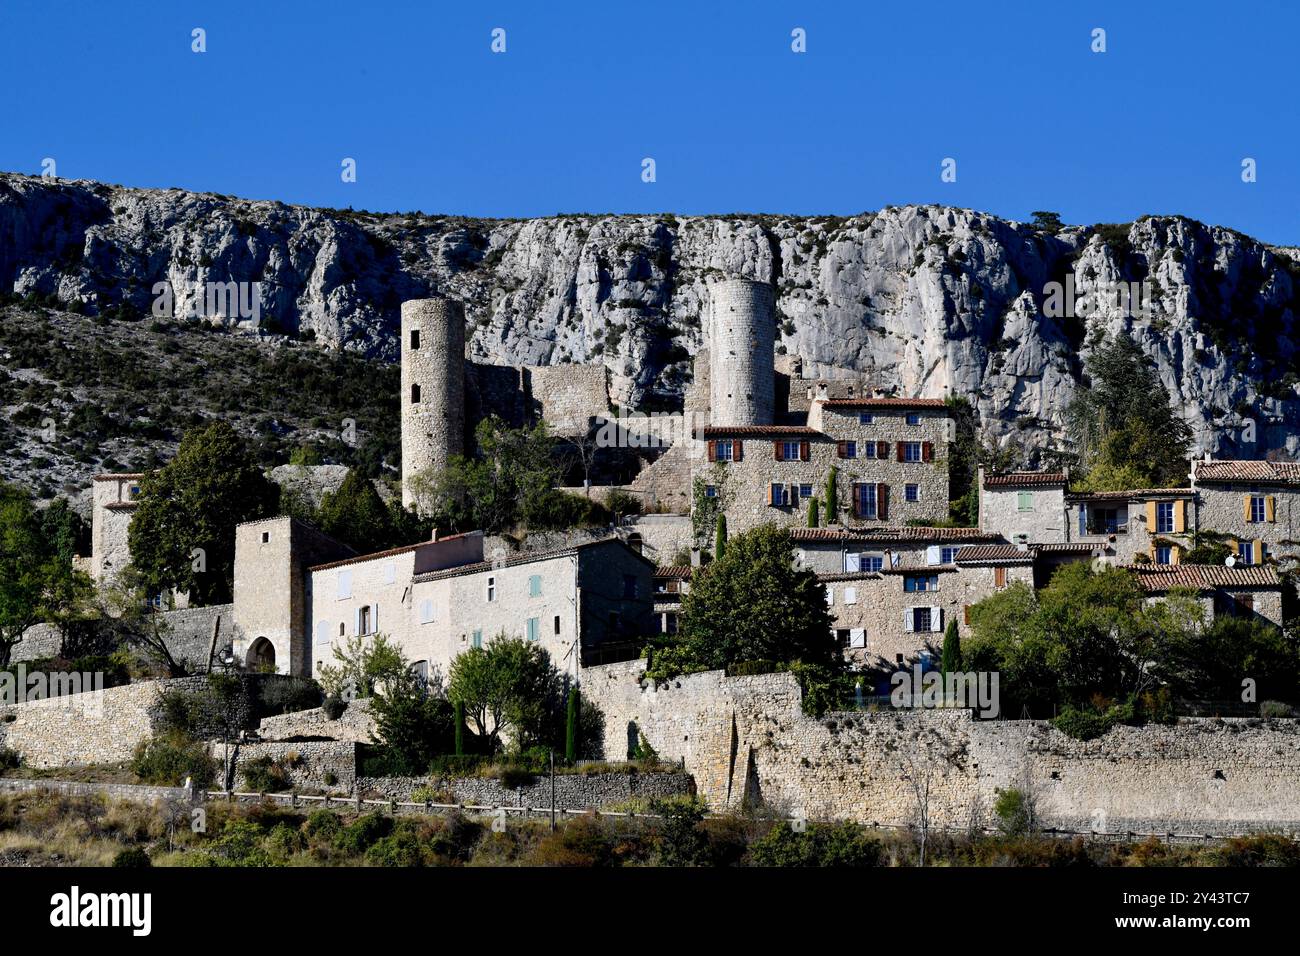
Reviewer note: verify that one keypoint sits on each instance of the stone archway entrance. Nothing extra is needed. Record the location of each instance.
(261, 655)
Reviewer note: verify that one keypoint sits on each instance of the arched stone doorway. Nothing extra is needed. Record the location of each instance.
(261, 655)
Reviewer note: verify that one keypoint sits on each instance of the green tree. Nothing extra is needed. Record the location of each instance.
(362, 665)
(356, 515)
(1045, 221)
(458, 724)
(752, 604)
(195, 502)
(507, 686)
(832, 497)
(950, 662)
(1122, 425)
(571, 727)
(413, 721)
(813, 513)
(37, 583)
(1211, 662)
(720, 537)
(510, 480)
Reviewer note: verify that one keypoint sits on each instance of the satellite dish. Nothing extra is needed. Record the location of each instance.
(1230, 560)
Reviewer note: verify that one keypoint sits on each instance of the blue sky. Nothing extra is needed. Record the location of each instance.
(735, 120)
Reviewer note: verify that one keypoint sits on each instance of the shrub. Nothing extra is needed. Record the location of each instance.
(334, 707)
(168, 759)
(401, 848)
(133, 857)
(10, 759)
(284, 841)
(456, 765)
(1014, 811)
(285, 695)
(322, 823)
(751, 668)
(363, 833)
(1261, 849)
(266, 775)
(839, 845)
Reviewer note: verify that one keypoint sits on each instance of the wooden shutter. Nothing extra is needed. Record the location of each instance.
(1174, 554)
(1245, 507)
(1232, 546)
(965, 615)
(776, 450)
(805, 451)
(882, 501)
(857, 499)
(927, 451)
(1257, 551)
(770, 488)
(1247, 602)
(1180, 516)
(1151, 517)
(901, 452)
(882, 450)
(999, 577)
(907, 619)
(713, 451)
(737, 450)
(841, 449)
(1270, 509)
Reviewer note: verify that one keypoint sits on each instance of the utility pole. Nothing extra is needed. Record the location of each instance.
(552, 789)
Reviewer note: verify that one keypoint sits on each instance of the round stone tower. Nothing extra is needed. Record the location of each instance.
(742, 334)
(433, 386)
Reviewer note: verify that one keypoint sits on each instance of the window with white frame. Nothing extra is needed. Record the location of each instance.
(948, 555)
(1164, 554)
(913, 418)
(912, 451)
(805, 491)
(1257, 509)
(866, 500)
(1164, 517)
(491, 588)
(723, 450)
(865, 418)
(779, 495)
(912, 492)
(871, 562)
(789, 451)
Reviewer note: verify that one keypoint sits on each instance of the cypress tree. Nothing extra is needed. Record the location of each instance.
(950, 662)
(571, 728)
(832, 501)
(720, 538)
(813, 513)
(458, 719)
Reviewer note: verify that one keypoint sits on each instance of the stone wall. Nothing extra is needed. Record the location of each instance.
(355, 724)
(746, 738)
(566, 396)
(311, 765)
(1044, 520)
(742, 335)
(433, 386)
(1221, 508)
(572, 790)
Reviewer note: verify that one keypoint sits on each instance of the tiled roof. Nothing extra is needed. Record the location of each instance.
(715, 431)
(1130, 495)
(992, 553)
(118, 476)
(1162, 577)
(1014, 479)
(894, 534)
(1268, 472)
(358, 558)
(682, 571)
(1063, 546)
(522, 557)
(831, 578)
(885, 403)
(120, 505)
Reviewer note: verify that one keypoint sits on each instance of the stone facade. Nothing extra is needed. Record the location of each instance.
(742, 336)
(356, 724)
(113, 502)
(1255, 503)
(329, 765)
(890, 458)
(435, 605)
(746, 739)
(270, 609)
(1157, 523)
(566, 396)
(1024, 506)
(433, 386)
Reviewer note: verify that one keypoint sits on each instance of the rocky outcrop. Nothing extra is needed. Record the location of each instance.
(924, 300)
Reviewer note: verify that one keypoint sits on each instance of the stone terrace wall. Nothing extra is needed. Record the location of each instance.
(311, 765)
(747, 738)
(572, 790)
(356, 724)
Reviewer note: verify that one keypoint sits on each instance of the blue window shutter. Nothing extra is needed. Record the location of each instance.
(1083, 518)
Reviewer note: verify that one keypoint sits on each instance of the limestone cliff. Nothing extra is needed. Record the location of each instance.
(923, 300)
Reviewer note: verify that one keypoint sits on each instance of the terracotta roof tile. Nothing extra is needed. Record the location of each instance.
(1268, 472)
(682, 571)
(885, 402)
(1014, 479)
(993, 553)
(1162, 577)
(1130, 495)
(714, 431)
(886, 534)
